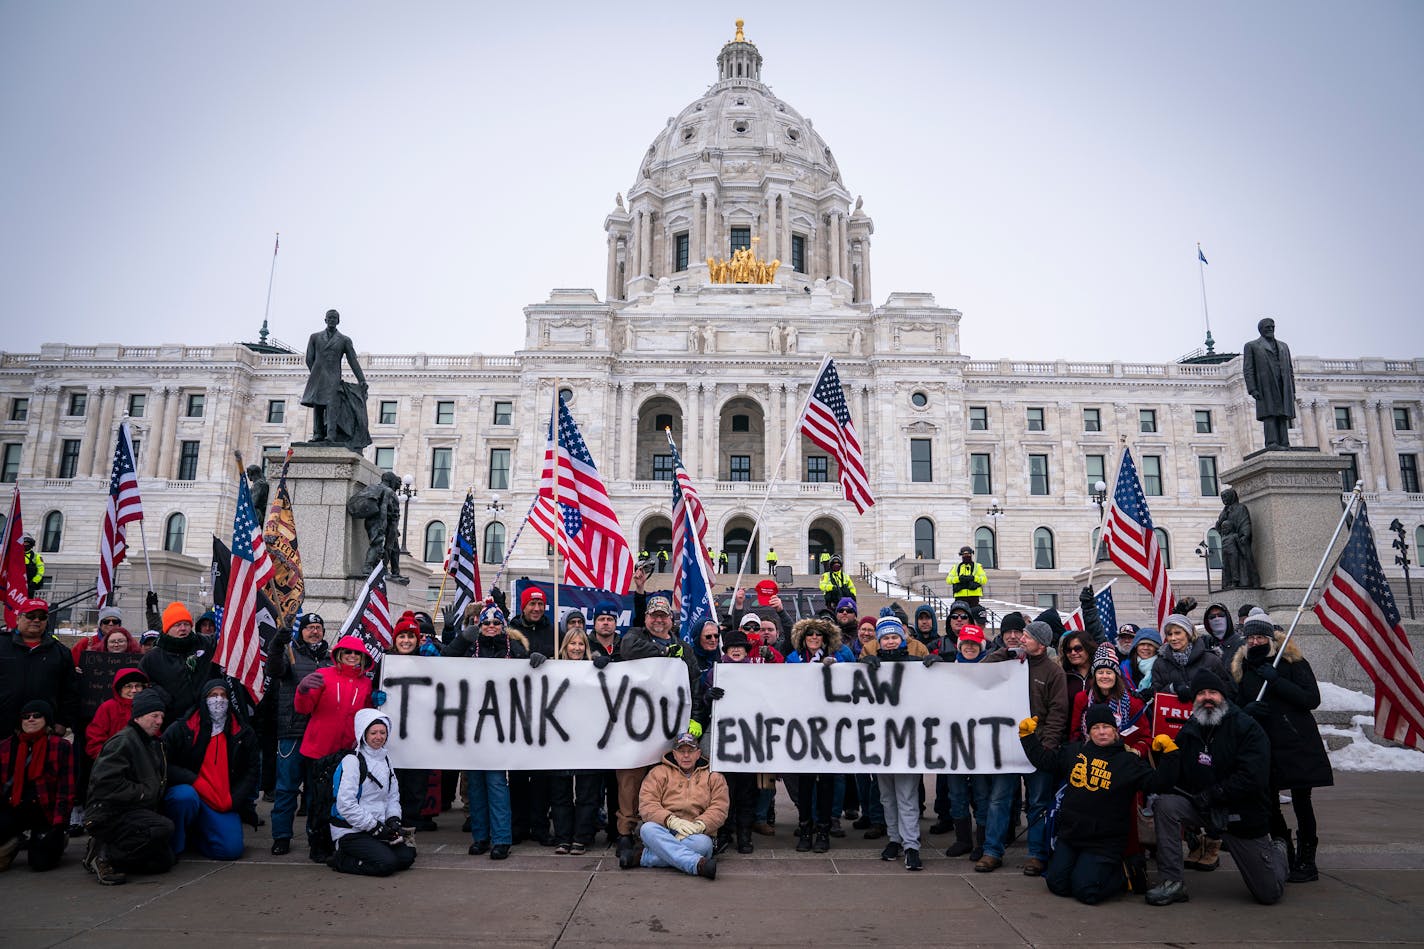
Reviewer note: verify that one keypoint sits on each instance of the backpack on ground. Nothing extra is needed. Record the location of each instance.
(324, 780)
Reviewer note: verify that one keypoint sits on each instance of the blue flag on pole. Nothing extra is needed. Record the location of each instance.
(1200, 255)
(1107, 612)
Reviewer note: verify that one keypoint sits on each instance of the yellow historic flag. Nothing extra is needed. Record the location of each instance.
(287, 588)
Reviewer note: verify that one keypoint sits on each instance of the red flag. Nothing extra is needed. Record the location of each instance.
(13, 582)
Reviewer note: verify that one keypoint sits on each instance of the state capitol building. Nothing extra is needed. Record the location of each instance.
(1000, 454)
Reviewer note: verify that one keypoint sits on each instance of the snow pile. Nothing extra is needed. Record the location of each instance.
(1335, 698)
(892, 584)
(1361, 754)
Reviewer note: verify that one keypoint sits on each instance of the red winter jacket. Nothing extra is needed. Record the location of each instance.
(112, 716)
(344, 691)
(95, 643)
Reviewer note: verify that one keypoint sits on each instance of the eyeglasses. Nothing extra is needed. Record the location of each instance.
(32, 717)
(490, 622)
(35, 614)
(809, 635)
(844, 610)
(749, 628)
(1076, 648)
(108, 622)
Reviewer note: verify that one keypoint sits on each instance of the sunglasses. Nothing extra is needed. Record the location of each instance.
(491, 622)
(35, 614)
(32, 717)
(749, 628)
(108, 622)
(843, 610)
(1076, 649)
(809, 635)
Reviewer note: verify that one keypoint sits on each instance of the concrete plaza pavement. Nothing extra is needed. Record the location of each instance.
(1371, 892)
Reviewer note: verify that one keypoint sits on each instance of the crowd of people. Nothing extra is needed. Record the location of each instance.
(176, 760)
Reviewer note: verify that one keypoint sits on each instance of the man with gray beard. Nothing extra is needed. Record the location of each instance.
(1219, 769)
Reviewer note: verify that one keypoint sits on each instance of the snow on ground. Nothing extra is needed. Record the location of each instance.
(1364, 755)
(1335, 698)
(892, 584)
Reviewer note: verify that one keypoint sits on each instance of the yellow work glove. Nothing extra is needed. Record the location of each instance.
(1028, 726)
(1164, 745)
(679, 827)
(695, 729)
(699, 827)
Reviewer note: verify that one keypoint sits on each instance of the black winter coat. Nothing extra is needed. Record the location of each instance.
(185, 742)
(1098, 803)
(538, 637)
(130, 774)
(288, 666)
(44, 672)
(1167, 676)
(168, 668)
(1239, 775)
(1298, 755)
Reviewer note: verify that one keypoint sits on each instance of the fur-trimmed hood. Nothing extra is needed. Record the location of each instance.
(1291, 653)
(828, 629)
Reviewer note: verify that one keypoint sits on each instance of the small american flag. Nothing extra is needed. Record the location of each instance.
(124, 506)
(1132, 542)
(239, 649)
(370, 617)
(691, 588)
(461, 564)
(827, 423)
(1358, 607)
(1107, 612)
(584, 527)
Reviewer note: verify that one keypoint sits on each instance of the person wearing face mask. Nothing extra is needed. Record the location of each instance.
(1221, 634)
(1184, 654)
(212, 774)
(1141, 660)
(1299, 761)
(367, 823)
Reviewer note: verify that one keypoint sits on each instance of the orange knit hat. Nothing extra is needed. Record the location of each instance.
(175, 613)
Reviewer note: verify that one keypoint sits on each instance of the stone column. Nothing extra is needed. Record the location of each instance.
(707, 467)
(1368, 413)
(865, 288)
(91, 431)
(697, 234)
(786, 238)
(769, 252)
(709, 224)
(1309, 433)
(168, 464)
(1384, 413)
(627, 427)
(103, 458)
(635, 247)
(833, 250)
(843, 242)
(646, 254)
(794, 471)
(153, 447)
(36, 466)
(613, 292)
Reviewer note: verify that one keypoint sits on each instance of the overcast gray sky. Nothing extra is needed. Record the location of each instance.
(1047, 169)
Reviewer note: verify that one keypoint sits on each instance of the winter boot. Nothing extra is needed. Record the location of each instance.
(744, 840)
(963, 843)
(978, 850)
(1208, 859)
(1305, 871)
(803, 841)
(9, 848)
(823, 838)
(1135, 868)
(625, 847)
(104, 870)
(1290, 851)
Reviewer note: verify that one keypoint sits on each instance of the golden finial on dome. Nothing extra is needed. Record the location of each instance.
(740, 37)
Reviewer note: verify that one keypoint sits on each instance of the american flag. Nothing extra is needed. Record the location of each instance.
(461, 564)
(124, 506)
(370, 618)
(1358, 607)
(1107, 612)
(827, 423)
(584, 527)
(1132, 544)
(691, 588)
(240, 645)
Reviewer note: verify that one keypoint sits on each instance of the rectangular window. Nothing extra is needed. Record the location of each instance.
(188, 461)
(679, 251)
(1147, 420)
(19, 409)
(10, 463)
(663, 468)
(196, 401)
(1342, 418)
(503, 413)
(386, 459)
(445, 412)
(440, 459)
(1047, 601)
(978, 418)
(817, 469)
(981, 478)
(137, 445)
(921, 460)
(1097, 471)
(798, 253)
(1402, 421)
(1351, 474)
(388, 412)
(1152, 475)
(1035, 419)
(276, 411)
(741, 238)
(138, 404)
(499, 469)
(1038, 475)
(741, 469)
(1409, 473)
(1203, 421)
(78, 403)
(269, 451)
(69, 458)
(1092, 420)
(741, 423)
(1206, 471)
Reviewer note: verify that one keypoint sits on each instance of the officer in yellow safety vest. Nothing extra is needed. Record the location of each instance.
(967, 579)
(771, 561)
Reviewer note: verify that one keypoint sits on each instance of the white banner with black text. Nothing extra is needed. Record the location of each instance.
(897, 718)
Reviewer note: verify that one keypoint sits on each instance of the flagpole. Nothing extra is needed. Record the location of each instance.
(1102, 518)
(776, 473)
(554, 466)
(509, 548)
(1355, 496)
(696, 542)
(271, 275)
(1206, 317)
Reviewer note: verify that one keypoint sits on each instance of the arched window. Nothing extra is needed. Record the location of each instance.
(1102, 550)
(494, 542)
(1043, 549)
(1213, 549)
(53, 532)
(924, 539)
(435, 542)
(174, 530)
(986, 548)
(1164, 543)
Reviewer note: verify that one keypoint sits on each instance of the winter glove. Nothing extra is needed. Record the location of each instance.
(931, 660)
(716, 693)
(1085, 595)
(469, 633)
(1164, 745)
(871, 660)
(694, 728)
(679, 827)
(452, 617)
(674, 651)
(1257, 710)
(1019, 653)
(828, 660)
(280, 639)
(601, 661)
(1028, 726)
(699, 827)
(1268, 672)
(311, 683)
(497, 595)
(378, 698)
(1183, 693)
(536, 659)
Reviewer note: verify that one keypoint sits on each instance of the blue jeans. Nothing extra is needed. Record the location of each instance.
(291, 770)
(765, 798)
(1088, 877)
(661, 848)
(968, 796)
(1001, 803)
(1039, 789)
(870, 806)
(490, 817)
(218, 834)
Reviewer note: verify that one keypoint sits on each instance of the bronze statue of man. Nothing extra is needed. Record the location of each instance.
(379, 508)
(1270, 379)
(324, 392)
(1238, 563)
(261, 490)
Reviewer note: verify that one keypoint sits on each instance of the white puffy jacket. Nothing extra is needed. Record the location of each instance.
(365, 805)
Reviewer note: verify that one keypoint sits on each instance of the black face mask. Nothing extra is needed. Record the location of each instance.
(1259, 653)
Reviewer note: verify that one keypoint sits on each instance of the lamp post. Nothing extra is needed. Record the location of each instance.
(1402, 558)
(993, 514)
(406, 491)
(1204, 552)
(1099, 496)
